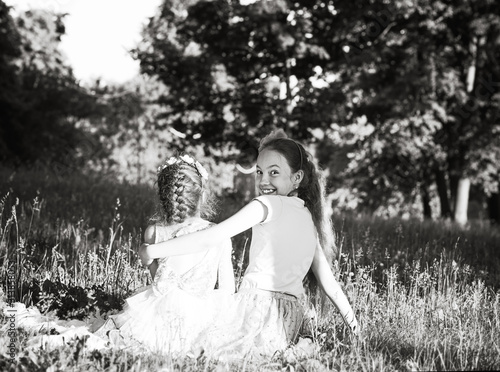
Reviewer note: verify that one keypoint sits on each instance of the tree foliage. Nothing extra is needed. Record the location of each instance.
(418, 79)
(426, 72)
(235, 72)
(401, 98)
(41, 99)
(9, 85)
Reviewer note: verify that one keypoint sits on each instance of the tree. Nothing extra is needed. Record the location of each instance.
(46, 102)
(9, 84)
(127, 123)
(235, 72)
(409, 66)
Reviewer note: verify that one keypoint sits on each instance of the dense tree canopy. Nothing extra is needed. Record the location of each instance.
(234, 72)
(409, 89)
(426, 74)
(41, 99)
(400, 98)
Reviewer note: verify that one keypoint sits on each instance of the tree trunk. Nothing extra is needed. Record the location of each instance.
(138, 156)
(494, 208)
(463, 184)
(453, 190)
(462, 201)
(426, 201)
(442, 189)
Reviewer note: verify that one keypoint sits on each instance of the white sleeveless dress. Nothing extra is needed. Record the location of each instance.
(165, 317)
(169, 315)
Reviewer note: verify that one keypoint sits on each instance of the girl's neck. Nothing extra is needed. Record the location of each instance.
(195, 217)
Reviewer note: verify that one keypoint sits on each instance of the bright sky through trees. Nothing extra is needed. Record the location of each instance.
(99, 34)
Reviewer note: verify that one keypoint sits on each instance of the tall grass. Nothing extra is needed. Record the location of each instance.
(426, 294)
(382, 243)
(73, 232)
(87, 201)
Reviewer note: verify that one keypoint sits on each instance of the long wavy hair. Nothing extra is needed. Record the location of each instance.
(311, 190)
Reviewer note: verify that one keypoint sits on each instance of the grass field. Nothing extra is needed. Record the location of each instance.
(426, 294)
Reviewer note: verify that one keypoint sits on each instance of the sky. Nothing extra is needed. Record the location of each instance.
(98, 34)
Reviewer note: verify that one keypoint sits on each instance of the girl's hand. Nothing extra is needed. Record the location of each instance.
(144, 256)
(351, 321)
(354, 326)
(153, 268)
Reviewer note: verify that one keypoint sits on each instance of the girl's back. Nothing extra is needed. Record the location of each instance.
(195, 273)
(282, 247)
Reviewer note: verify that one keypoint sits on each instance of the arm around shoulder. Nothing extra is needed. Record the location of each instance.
(250, 215)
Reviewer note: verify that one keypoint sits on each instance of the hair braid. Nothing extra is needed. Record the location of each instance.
(180, 191)
(180, 204)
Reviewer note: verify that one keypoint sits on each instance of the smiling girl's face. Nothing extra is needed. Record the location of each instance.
(274, 176)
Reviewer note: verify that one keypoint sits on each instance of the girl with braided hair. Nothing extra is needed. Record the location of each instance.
(291, 238)
(167, 316)
(171, 313)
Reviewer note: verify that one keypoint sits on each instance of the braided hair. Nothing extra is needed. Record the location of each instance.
(181, 184)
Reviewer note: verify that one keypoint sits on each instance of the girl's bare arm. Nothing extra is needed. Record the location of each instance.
(250, 215)
(332, 289)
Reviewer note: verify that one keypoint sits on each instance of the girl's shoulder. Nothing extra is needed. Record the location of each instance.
(279, 201)
(161, 232)
(150, 234)
(284, 198)
(193, 225)
(171, 231)
(277, 205)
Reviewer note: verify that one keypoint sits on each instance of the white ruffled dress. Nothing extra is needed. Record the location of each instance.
(169, 316)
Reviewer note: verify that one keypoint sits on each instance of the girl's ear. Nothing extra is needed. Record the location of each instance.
(298, 176)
